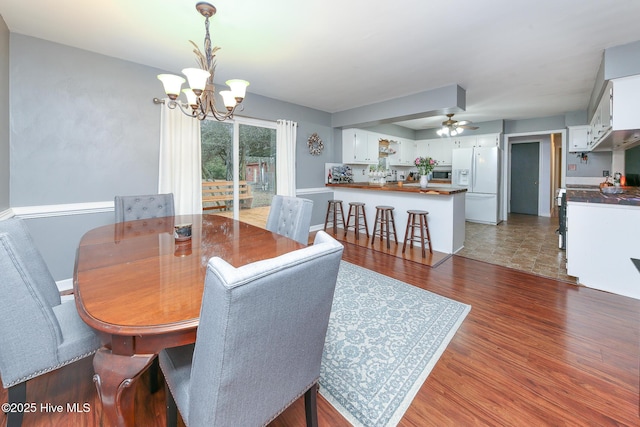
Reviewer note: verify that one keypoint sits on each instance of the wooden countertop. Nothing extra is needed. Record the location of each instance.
(414, 188)
(587, 194)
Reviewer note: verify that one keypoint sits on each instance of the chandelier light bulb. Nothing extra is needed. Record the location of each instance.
(238, 88)
(192, 99)
(228, 99)
(172, 85)
(197, 79)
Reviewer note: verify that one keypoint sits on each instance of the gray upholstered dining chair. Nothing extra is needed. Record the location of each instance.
(130, 208)
(38, 332)
(290, 217)
(260, 339)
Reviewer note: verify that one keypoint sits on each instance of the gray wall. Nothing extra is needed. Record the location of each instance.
(594, 165)
(84, 128)
(5, 170)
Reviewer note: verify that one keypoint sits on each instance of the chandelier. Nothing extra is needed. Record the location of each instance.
(201, 92)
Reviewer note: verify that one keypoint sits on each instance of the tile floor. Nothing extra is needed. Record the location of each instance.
(523, 242)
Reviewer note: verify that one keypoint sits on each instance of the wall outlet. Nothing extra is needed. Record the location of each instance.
(605, 173)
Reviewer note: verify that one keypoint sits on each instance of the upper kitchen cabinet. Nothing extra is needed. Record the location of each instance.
(615, 123)
(440, 149)
(359, 147)
(487, 140)
(463, 141)
(405, 152)
(579, 138)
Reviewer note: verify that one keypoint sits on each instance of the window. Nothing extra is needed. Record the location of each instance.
(239, 154)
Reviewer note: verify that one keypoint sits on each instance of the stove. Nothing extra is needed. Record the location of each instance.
(561, 198)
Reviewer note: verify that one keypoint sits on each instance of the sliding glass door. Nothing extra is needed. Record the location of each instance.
(238, 167)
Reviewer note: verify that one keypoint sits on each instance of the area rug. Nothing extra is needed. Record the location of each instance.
(384, 338)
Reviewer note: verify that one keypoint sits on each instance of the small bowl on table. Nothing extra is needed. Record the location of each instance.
(182, 232)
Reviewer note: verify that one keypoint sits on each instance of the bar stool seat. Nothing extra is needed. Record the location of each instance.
(335, 215)
(384, 217)
(356, 210)
(417, 220)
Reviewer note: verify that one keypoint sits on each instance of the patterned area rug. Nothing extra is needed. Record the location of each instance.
(384, 338)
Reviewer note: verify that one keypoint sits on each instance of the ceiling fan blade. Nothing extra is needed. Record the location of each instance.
(468, 127)
(464, 122)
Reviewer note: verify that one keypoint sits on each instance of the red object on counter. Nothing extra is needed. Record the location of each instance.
(623, 180)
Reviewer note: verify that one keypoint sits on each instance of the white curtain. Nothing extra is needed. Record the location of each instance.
(180, 164)
(286, 158)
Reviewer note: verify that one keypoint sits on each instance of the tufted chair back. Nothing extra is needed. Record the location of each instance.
(290, 217)
(39, 332)
(131, 208)
(260, 339)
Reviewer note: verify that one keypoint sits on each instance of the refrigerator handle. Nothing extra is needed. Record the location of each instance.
(473, 170)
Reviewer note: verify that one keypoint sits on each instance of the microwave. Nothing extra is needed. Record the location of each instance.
(446, 174)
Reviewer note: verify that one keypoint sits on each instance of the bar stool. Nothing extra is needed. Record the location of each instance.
(421, 223)
(384, 217)
(334, 207)
(356, 209)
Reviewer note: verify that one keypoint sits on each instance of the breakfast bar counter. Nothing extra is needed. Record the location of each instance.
(445, 204)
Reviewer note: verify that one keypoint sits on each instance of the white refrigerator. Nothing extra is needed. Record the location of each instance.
(478, 169)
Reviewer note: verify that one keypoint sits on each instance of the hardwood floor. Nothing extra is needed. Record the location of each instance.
(533, 351)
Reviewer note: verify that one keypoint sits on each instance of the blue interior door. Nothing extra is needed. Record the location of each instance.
(525, 163)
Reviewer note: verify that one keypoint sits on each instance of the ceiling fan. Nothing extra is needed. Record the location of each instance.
(452, 127)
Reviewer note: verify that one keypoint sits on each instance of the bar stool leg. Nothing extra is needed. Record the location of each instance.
(406, 233)
(375, 227)
(357, 223)
(326, 218)
(422, 225)
(393, 225)
(366, 226)
(346, 228)
(387, 215)
(426, 226)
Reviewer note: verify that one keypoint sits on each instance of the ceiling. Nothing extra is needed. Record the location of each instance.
(516, 59)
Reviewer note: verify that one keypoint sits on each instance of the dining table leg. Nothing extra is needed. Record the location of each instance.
(115, 378)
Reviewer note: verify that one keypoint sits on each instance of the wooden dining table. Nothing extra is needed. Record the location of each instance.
(141, 290)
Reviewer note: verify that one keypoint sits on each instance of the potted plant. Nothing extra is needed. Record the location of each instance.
(425, 165)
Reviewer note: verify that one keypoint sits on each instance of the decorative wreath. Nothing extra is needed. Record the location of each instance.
(315, 145)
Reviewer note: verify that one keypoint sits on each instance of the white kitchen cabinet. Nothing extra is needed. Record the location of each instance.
(600, 123)
(471, 141)
(579, 138)
(601, 240)
(359, 147)
(464, 141)
(440, 149)
(405, 152)
(488, 140)
(616, 120)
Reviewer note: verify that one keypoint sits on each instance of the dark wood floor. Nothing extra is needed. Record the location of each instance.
(532, 351)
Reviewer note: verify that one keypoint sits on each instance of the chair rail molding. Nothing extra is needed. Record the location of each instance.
(316, 190)
(6, 214)
(44, 211)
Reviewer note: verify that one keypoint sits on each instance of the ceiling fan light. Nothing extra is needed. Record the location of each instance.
(171, 84)
(453, 132)
(197, 79)
(459, 130)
